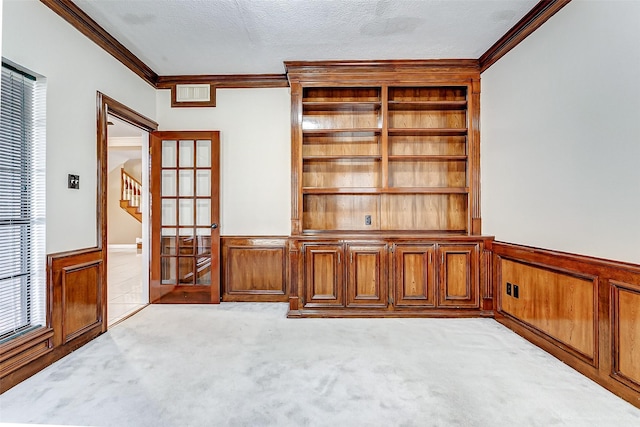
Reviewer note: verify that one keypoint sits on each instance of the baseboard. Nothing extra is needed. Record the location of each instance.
(580, 309)
(122, 246)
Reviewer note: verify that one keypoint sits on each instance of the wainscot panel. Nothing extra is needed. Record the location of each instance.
(254, 269)
(585, 311)
(75, 315)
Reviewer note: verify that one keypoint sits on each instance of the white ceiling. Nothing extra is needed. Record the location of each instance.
(175, 37)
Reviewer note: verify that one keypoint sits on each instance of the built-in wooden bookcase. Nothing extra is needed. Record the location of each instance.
(384, 157)
(385, 189)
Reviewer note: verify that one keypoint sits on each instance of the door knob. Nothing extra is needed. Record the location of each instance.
(214, 225)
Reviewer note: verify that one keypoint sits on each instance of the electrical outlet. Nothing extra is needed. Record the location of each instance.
(516, 291)
(509, 288)
(73, 182)
(367, 220)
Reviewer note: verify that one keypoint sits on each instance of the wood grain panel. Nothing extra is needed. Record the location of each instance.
(324, 276)
(626, 333)
(556, 303)
(341, 173)
(354, 118)
(424, 212)
(614, 319)
(458, 276)
(367, 275)
(429, 119)
(427, 145)
(366, 144)
(414, 281)
(81, 298)
(342, 94)
(414, 173)
(254, 268)
(340, 212)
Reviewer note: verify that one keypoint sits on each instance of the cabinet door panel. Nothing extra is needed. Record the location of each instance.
(414, 277)
(323, 276)
(458, 276)
(366, 276)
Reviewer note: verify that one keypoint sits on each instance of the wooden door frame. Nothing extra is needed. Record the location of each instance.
(105, 106)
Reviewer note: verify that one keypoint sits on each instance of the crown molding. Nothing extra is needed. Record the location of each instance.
(225, 80)
(71, 13)
(537, 16)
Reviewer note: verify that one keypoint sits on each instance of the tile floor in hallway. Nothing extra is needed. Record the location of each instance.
(124, 281)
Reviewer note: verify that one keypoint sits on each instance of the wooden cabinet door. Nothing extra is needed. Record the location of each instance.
(323, 276)
(414, 275)
(458, 275)
(367, 284)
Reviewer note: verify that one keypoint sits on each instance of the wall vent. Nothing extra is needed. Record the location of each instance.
(193, 95)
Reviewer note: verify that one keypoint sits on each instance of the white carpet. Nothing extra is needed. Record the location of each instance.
(241, 364)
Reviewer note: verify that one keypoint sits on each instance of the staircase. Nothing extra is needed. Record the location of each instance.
(131, 190)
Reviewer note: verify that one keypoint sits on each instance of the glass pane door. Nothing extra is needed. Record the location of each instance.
(187, 214)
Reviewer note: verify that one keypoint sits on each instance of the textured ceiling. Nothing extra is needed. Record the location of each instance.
(176, 37)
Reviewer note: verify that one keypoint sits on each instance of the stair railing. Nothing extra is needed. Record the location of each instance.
(131, 189)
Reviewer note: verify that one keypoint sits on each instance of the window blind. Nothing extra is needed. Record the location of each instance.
(22, 203)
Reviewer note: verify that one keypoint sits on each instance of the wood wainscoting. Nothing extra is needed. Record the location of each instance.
(75, 315)
(254, 269)
(585, 311)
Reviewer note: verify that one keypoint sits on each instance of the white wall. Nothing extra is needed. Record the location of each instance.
(255, 166)
(75, 67)
(560, 147)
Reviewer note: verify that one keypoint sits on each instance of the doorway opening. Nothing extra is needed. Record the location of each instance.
(127, 219)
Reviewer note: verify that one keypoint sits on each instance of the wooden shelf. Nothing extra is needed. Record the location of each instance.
(390, 190)
(426, 190)
(426, 158)
(342, 132)
(427, 105)
(347, 157)
(428, 132)
(341, 190)
(341, 106)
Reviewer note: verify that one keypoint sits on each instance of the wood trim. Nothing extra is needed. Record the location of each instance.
(616, 325)
(71, 13)
(608, 277)
(226, 81)
(381, 65)
(540, 13)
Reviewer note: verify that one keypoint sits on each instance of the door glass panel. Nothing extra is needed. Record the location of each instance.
(168, 183)
(186, 182)
(203, 212)
(203, 154)
(186, 154)
(203, 271)
(186, 211)
(186, 245)
(168, 241)
(185, 270)
(169, 212)
(203, 241)
(203, 183)
(168, 270)
(169, 154)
